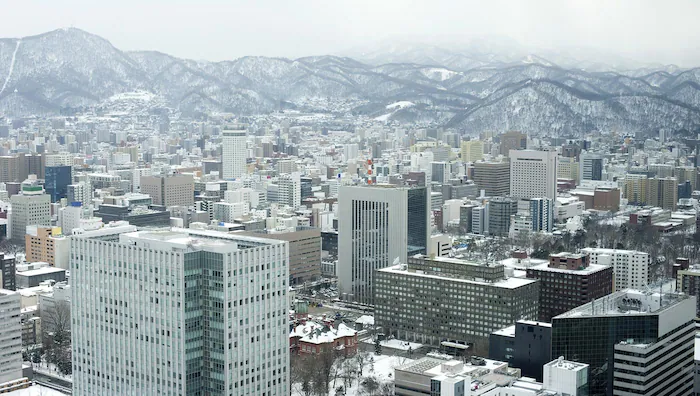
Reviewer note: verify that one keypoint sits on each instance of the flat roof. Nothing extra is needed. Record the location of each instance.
(508, 283)
(41, 271)
(591, 269)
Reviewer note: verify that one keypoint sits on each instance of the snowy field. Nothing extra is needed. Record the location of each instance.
(379, 368)
(397, 344)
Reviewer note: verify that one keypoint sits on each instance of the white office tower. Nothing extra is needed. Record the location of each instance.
(533, 174)
(289, 190)
(31, 207)
(378, 224)
(10, 337)
(631, 267)
(179, 312)
(542, 214)
(351, 151)
(233, 158)
(480, 220)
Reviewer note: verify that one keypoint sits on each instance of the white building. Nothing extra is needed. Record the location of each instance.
(289, 190)
(228, 212)
(440, 245)
(179, 312)
(568, 207)
(233, 158)
(378, 224)
(533, 174)
(59, 159)
(80, 192)
(480, 220)
(566, 377)
(31, 207)
(136, 177)
(631, 267)
(350, 151)
(10, 336)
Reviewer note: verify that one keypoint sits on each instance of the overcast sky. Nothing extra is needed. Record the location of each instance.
(646, 30)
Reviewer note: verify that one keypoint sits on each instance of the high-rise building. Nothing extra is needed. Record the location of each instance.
(171, 190)
(10, 336)
(31, 207)
(7, 272)
(591, 166)
(167, 312)
(635, 188)
(568, 169)
(568, 281)
(57, 180)
(631, 267)
(378, 225)
(350, 151)
(440, 172)
(455, 320)
(512, 140)
(480, 220)
(304, 252)
(542, 214)
(663, 192)
(688, 282)
(472, 150)
(80, 192)
(636, 342)
(492, 177)
(289, 191)
(233, 155)
(500, 210)
(533, 174)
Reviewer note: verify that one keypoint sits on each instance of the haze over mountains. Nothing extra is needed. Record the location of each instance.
(472, 90)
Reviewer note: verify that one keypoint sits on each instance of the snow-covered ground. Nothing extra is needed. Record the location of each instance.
(380, 368)
(400, 105)
(397, 344)
(35, 390)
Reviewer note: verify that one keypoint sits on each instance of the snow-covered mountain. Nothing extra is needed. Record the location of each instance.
(472, 91)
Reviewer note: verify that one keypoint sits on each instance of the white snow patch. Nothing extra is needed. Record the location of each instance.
(12, 66)
(400, 105)
(142, 96)
(439, 73)
(397, 344)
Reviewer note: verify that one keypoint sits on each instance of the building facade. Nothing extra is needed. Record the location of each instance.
(168, 312)
(57, 180)
(568, 281)
(47, 244)
(492, 177)
(378, 225)
(233, 154)
(10, 336)
(30, 207)
(172, 190)
(533, 174)
(636, 342)
(411, 303)
(631, 267)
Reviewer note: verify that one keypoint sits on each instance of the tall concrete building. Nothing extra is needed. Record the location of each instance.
(663, 192)
(179, 312)
(57, 180)
(568, 281)
(304, 252)
(31, 207)
(568, 169)
(289, 191)
(7, 272)
(631, 267)
(591, 166)
(635, 188)
(412, 302)
(10, 336)
(472, 150)
(80, 192)
(533, 174)
(500, 209)
(542, 214)
(378, 225)
(512, 140)
(233, 153)
(171, 190)
(636, 342)
(492, 177)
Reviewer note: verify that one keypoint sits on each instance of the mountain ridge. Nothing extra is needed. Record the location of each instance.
(71, 68)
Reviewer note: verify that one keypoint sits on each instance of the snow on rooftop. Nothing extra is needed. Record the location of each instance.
(508, 283)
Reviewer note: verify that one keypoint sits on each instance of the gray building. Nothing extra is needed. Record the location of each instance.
(412, 302)
(34, 277)
(173, 190)
(526, 345)
(500, 209)
(31, 207)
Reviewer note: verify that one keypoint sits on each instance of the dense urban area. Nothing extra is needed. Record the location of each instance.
(320, 248)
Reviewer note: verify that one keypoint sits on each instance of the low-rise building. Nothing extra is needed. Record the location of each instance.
(411, 303)
(47, 244)
(311, 338)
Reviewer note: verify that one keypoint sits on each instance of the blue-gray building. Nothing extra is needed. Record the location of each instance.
(57, 179)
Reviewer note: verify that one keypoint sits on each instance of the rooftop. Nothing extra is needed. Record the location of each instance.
(566, 365)
(508, 283)
(41, 271)
(591, 269)
(627, 302)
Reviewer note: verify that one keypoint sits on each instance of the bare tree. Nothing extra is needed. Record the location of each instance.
(56, 337)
